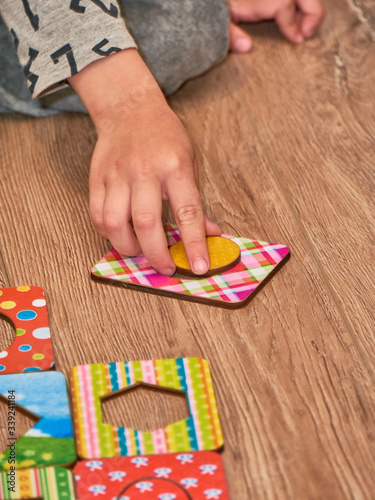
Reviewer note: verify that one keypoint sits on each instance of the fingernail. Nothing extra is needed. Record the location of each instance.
(168, 271)
(200, 266)
(300, 38)
(243, 45)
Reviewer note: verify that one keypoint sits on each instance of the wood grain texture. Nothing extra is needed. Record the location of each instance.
(7, 332)
(285, 141)
(326, 173)
(145, 408)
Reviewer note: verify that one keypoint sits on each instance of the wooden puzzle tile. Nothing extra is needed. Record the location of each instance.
(51, 483)
(50, 441)
(194, 476)
(224, 254)
(25, 307)
(90, 383)
(233, 288)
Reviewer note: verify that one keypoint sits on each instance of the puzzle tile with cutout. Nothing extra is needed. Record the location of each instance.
(200, 431)
(195, 476)
(52, 483)
(25, 307)
(50, 441)
(233, 288)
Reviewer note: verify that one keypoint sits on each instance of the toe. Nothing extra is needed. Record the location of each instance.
(240, 41)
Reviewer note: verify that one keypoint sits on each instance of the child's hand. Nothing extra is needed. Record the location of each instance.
(297, 19)
(143, 156)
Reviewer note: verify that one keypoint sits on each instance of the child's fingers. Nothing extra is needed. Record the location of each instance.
(116, 217)
(97, 197)
(287, 20)
(240, 41)
(146, 206)
(212, 229)
(187, 209)
(313, 16)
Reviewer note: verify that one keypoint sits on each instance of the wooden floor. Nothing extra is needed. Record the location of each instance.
(285, 136)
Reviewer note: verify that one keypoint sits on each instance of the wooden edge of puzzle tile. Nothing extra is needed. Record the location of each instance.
(25, 308)
(93, 382)
(189, 298)
(50, 441)
(231, 289)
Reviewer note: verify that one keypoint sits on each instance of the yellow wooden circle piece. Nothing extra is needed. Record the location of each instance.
(224, 254)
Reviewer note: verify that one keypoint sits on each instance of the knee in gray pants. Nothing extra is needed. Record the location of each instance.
(178, 39)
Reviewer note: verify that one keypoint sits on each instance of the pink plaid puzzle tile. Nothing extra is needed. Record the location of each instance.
(233, 288)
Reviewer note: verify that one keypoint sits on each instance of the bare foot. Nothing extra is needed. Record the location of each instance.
(297, 19)
(240, 41)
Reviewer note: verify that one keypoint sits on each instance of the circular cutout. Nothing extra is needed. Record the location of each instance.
(224, 255)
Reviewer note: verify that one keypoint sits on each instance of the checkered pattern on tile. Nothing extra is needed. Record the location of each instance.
(258, 260)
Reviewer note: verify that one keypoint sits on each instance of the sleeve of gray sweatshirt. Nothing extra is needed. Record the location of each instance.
(55, 39)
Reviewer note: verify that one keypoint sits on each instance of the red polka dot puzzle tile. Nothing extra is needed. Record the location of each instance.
(25, 308)
(232, 288)
(174, 476)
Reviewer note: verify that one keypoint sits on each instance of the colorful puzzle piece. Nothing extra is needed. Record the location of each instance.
(233, 288)
(51, 483)
(90, 383)
(50, 441)
(224, 254)
(31, 350)
(195, 476)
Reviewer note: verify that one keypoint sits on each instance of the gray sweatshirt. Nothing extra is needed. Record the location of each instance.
(56, 39)
(53, 39)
